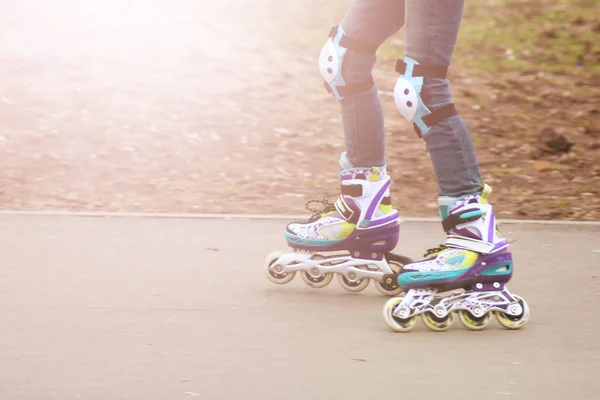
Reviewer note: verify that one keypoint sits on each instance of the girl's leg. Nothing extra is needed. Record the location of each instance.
(431, 32)
(372, 22)
(474, 257)
(362, 220)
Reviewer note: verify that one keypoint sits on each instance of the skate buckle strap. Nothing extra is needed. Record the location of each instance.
(451, 221)
(466, 243)
(352, 190)
(345, 211)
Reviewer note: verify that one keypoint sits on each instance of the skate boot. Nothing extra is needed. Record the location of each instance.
(466, 275)
(351, 238)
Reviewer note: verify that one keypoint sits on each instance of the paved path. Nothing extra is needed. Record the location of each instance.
(167, 309)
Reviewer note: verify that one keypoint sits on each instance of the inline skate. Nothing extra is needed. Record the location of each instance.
(467, 275)
(352, 238)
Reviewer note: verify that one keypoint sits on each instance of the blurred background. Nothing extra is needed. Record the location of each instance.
(211, 107)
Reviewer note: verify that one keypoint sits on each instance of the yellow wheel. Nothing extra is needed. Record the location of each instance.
(274, 271)
(389, 283)
(514, 321)
(436, 323)
(397, 324)
(473, 322)
(351, 283)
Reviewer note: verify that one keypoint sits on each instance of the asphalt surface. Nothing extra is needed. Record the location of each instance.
(166, 309)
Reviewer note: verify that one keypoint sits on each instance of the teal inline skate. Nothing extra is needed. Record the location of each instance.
(467, 275)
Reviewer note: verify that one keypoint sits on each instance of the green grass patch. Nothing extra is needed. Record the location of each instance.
(498, 172)
(563, 204)
(530, 35)
(551, 36)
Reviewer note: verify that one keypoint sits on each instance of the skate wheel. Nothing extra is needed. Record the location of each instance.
(397, 324)
(315, 280)
(275, 271)
(352, 285)
(514, 321)
(472, 322)
(435, 323)
(389, 286)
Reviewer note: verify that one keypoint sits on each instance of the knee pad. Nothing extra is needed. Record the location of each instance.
(407, 95)
(331, 61)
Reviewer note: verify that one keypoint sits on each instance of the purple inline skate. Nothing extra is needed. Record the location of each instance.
(352, 238)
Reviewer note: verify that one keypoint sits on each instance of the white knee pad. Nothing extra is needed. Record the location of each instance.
(331, 61)
(407, 95)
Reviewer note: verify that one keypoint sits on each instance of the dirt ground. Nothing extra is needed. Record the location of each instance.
(151, 106)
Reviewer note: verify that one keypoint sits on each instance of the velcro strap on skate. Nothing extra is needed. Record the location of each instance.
(462, 242)
(345, 211)
(354, 44)
(451, 221)
(426, 71)
(352, 190)
(438, 115)
(350, 90)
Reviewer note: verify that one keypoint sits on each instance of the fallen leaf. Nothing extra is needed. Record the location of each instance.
(541, 165)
